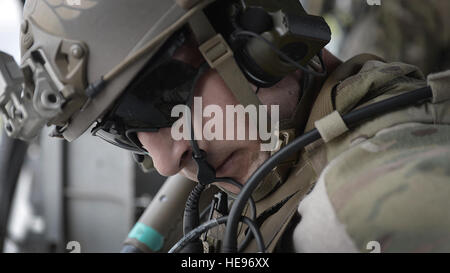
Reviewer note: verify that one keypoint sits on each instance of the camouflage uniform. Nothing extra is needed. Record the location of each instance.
(387, 180)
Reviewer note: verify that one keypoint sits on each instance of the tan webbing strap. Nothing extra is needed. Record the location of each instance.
(201, 27)
(280, 173)
(440, 86)
(324, 102)
(219, 56)
(331, 126)
(302, 110)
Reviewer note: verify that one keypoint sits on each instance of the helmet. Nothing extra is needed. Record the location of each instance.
(78, 42)
(78, 56)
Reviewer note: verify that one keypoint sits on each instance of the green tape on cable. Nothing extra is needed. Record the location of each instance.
(148, 236)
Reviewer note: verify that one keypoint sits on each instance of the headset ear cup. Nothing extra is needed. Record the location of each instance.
(296, 51)
(252, 71)
(271, 39)
(256, 20)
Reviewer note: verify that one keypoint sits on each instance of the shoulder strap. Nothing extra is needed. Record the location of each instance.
(289, 194)
(323, 105)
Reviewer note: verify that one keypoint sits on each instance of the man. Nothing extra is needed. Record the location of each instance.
(385, 181)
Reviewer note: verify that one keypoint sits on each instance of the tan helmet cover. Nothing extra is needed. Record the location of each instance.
(82, 40)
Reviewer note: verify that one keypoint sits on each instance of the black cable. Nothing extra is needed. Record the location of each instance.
(232, 182)
(248, 237)
(205, 172)
(256, 233)
(246, 241)
(253, 182)
(206, 175)
(280, 53)
(191, 218)
(197, 232)
(352, 119)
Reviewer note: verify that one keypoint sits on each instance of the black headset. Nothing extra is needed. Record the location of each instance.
(271, 39)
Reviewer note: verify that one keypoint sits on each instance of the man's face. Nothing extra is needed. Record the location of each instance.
(236, 159)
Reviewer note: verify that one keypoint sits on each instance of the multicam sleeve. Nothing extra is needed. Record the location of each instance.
(391, 190)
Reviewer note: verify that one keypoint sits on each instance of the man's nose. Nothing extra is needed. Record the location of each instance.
(168, 155)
